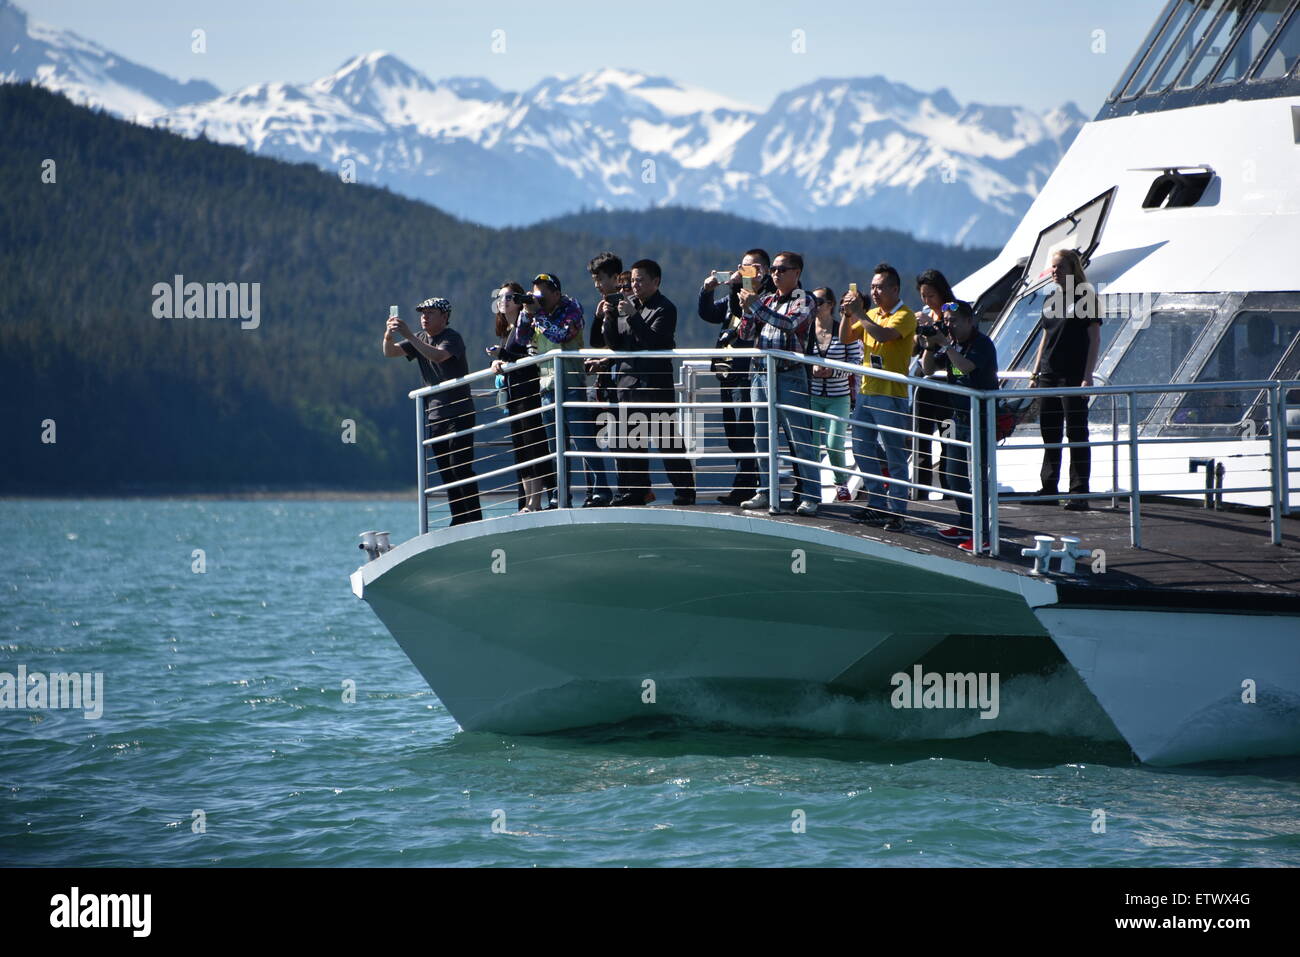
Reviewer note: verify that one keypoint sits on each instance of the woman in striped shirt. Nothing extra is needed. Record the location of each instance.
(829, 388)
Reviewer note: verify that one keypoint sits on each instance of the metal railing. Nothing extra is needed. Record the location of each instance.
(978, 487)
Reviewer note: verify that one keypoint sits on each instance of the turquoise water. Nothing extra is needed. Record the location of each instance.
(223, 693)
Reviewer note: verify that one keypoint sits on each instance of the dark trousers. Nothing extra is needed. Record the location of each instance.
(454, 460)
(528, 440)
(929, 410)
(962, 471)
(738, 426)
(634, 474)
(1072, 411)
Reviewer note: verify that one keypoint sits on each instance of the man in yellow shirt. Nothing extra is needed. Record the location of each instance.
(886, 333)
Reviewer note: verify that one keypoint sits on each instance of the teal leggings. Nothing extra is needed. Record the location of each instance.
(828, 434)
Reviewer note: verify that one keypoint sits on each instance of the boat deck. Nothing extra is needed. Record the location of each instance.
(1191, 556)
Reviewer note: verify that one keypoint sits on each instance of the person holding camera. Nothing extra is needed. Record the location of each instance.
(557, 323)
(523, 395)
(930, 407)
(780, 320)
(440, 352)
(886, 333)
(829, 388)
(605, 270)
(733, 374)
(647, 322)
(969, 358)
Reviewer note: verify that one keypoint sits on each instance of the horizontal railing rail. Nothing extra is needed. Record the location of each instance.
(976, 483)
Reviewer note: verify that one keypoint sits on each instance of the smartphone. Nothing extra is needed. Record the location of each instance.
(877, 361)
(721, 276)
(853, 287)
(392, 312)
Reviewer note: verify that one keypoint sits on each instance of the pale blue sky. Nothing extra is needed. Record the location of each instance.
(1036, 53)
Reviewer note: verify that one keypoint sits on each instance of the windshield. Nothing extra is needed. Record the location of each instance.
(1251, 349)
(1157, 351)
(1079, 230)
(1251, 41)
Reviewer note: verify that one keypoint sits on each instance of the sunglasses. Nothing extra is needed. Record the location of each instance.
(780, 269)
(823, 302)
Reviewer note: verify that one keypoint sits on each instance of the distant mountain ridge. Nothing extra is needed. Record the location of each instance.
(835, 152)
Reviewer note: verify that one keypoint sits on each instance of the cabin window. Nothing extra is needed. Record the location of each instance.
(1251, 349)
(1156, 53)
(1019, 328)
(1282, 58)
(1138, 57)
(1157, 352)
(1215, 43)
(1197, 29)
(1251, 41)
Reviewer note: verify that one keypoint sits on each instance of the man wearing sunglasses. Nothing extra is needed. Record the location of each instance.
(780, 321)
(971, 359)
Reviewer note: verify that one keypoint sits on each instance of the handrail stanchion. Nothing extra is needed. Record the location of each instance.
(1114, 450)
(561, 434)
(1135, 497)
(991, 444)
(421, 461)
(1278, 460)
(1284, 444)
(773, 468)
(975, 462)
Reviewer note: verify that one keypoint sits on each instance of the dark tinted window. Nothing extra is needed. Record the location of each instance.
(1197, 28)
(1282, 58)
(1251, 41)
(1212, 49)
(1156, 53)
(1251, 349)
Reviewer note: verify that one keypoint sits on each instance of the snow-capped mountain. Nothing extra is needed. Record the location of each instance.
(84, 71)
(834, 152)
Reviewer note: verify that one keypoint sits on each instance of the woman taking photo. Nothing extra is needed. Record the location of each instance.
(829, 388)
(930, 407)
(527, 434)
(1067, 356)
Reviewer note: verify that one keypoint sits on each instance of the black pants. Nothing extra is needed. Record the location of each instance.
(929, 410)
(454, 459)
(963, 470)
(738, 426)
(634, 474)
(1073, 412)
(528, 440)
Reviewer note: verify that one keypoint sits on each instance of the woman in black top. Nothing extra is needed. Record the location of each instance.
(930, 407)
(527, 434)
(1067, 357)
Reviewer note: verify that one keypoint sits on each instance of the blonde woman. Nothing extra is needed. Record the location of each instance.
(1067, 357)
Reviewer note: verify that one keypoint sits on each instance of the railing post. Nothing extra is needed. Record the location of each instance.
(975, 463)
(1284, 446)
(421, 460)
(561, 432)
(773, 466)
(991, 445)
(1135, 496)
(1114, 450)
(1277, 459)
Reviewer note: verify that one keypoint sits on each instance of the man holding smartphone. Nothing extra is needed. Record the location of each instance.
(733, 374)
(886, 333)
(440, 352)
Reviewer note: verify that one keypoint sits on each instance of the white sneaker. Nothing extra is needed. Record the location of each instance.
(807, 508)
(757, 502)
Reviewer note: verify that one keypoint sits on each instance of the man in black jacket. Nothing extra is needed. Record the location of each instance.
(647, 321)
(733, 374)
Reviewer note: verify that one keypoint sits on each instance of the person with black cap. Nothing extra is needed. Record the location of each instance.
(970, 358)
(557, 323)
(440, 352)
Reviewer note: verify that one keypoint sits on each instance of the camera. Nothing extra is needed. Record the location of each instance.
(524, 298)
(928, 332)
(612, 297)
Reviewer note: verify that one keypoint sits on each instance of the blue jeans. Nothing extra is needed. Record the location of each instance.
(874, 449)
(791, 389)
(580, 426)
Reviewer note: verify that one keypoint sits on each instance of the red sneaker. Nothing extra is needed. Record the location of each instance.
(968, 545)
(952, 533)
(842, 494)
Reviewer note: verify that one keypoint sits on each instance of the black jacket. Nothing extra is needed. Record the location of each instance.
(652, 328)
(721, 313)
